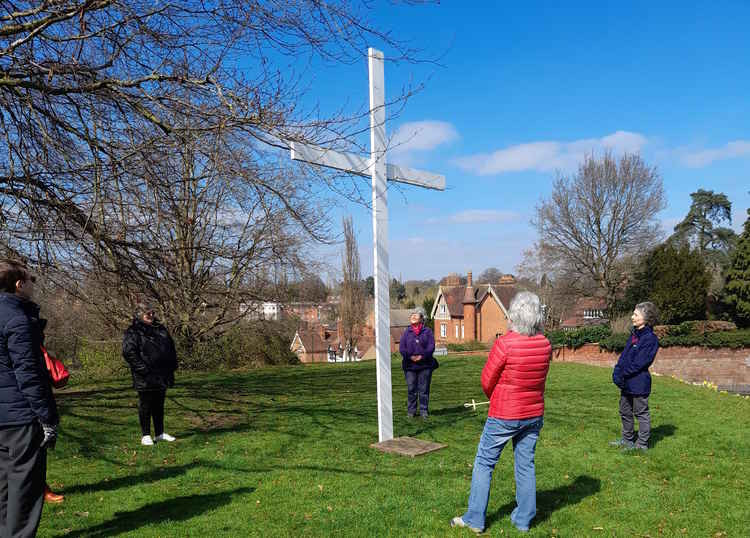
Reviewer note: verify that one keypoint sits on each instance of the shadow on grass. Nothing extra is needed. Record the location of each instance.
(176, 509)
(660, 432)
(155, 475)
(549, 500)
(455, 410)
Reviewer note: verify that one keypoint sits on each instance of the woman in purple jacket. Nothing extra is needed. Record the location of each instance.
(416, 347)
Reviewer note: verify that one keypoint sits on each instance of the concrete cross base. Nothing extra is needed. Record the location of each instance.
(408, 446)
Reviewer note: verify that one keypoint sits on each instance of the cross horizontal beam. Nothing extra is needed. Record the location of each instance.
(359, 165)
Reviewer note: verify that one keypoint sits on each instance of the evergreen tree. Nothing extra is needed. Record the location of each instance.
(675, 279)
(427, 304)
(702, 229)
(737, 289)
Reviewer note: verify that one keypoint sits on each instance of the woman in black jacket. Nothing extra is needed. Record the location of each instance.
(150, 352)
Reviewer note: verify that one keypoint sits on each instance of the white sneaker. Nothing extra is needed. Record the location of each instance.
(146, 440)
(165, 437)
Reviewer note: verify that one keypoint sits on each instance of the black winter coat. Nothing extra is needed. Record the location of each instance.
(25, 387)
(151, 354)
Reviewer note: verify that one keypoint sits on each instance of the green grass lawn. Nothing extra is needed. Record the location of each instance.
(286, 452)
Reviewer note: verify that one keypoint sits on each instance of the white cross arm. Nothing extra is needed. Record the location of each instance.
(356, 164)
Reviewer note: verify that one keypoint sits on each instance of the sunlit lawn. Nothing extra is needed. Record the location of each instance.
(286, 452)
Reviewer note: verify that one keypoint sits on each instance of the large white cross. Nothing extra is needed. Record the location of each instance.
(380, 170)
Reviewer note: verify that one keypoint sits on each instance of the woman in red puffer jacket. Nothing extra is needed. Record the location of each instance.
(513, 379)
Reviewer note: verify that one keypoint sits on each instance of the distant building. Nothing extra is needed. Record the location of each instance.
(262, 310)
(312, 312)
(586, 312)
(467, 312)
(314, 343)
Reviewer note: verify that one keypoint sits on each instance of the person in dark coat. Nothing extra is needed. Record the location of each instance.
(633, 379)
(28, 413)
(150, 352)
(416, 346)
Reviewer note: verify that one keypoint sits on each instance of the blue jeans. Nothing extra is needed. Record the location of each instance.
(418, 387)
(497, 432)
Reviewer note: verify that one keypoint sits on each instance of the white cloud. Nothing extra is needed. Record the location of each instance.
(698, 159)
(471, 216)
(422, 136)
(550, 155)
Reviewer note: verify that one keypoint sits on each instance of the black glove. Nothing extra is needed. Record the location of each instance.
(50, 436)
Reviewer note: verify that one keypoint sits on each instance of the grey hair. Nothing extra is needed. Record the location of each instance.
(418, 310)
(649, 312)
(525, 314)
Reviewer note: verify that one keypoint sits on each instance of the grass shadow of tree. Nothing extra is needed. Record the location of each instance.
(154, 475)
(176, 509)
(550, 500)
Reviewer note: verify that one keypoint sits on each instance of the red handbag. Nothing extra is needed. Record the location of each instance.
(57, 371)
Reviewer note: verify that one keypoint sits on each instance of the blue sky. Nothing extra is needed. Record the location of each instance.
(523, 91)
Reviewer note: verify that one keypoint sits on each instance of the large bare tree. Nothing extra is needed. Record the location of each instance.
(140, 145)
(352, 308)
(598, 218)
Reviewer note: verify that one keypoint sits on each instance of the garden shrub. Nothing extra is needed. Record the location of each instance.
(614, 342)
(96, 360)
(578, 337)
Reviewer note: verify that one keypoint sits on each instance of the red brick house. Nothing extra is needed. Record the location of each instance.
(586, 312)
(311, 342)
(465, 313)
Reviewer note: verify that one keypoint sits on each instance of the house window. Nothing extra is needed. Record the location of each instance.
(462, 331)
(442, 309)
(443, 330)
(456, 331)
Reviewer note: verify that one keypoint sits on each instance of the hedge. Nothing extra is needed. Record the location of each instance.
(736, 339)
(687, 334)
(576, 338)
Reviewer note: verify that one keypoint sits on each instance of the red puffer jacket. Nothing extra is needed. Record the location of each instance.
(514, 376)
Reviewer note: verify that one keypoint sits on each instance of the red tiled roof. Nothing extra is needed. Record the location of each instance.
(310, 336)
(454, 296)
(505, 294)
(590, 303)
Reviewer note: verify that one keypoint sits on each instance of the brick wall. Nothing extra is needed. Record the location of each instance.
(727, 368)
(491, 321)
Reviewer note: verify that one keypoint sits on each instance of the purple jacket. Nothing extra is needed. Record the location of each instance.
(424, 345)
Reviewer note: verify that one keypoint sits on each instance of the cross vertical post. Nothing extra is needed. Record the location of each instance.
(381, 171)
(380, 244)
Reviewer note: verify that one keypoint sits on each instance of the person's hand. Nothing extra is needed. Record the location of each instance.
(416, 358)
(50, 436)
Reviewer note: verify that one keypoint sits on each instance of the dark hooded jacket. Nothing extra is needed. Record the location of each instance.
(25, 387)
(631, 371)
(151, 355)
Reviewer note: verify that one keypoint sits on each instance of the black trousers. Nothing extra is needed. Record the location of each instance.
(151, 406)
(23, 466)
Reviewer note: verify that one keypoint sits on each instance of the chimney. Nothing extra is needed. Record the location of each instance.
(470, 318)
